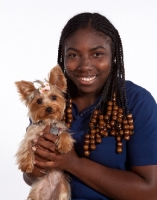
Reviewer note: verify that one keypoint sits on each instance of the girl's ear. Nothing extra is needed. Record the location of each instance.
(57, 78)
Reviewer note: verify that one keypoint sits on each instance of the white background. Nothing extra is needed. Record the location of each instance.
(29, 35)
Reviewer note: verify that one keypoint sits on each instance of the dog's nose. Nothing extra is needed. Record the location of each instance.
(48, 109)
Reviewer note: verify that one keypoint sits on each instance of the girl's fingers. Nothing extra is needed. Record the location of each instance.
(47, 155)
(44, 165)
(46, 145)
(46, 129)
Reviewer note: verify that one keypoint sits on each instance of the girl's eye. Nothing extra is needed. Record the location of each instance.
(54, 97)
(72, 55)
(39, 101)
(98, 54)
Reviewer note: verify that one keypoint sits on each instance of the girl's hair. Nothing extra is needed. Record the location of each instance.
(116, 80)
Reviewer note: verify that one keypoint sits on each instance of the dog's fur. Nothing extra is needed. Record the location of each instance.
(45, 108)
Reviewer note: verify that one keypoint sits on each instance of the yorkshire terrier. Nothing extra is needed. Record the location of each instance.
(46, 106)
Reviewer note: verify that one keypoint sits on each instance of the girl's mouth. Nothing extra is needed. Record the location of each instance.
(87, 79)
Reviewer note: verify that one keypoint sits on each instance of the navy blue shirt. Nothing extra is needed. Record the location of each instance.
(140, 150)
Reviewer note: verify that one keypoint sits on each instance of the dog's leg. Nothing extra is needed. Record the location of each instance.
(25, 155)
(65, 142)
(53, 186)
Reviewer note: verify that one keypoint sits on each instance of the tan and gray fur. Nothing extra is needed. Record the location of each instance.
(54, 185)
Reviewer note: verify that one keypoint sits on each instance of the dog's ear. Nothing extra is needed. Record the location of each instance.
(56, 77)
(25, 89)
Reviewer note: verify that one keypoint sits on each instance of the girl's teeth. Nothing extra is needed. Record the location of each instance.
(87, 78)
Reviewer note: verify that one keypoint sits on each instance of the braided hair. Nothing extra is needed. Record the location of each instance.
(115, 83)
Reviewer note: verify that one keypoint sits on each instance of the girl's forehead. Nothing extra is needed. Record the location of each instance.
(82, 35)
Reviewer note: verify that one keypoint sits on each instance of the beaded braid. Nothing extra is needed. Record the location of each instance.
(111, 114)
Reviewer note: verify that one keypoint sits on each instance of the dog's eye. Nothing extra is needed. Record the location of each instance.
(39, 101)
(54, 97)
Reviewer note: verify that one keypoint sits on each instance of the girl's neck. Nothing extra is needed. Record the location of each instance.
(84, 101)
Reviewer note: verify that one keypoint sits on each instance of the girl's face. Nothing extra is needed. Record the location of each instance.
(87, 60)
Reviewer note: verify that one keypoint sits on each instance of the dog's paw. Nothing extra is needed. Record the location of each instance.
(65, 142)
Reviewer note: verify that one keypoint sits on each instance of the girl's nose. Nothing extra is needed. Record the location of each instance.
(85, 63)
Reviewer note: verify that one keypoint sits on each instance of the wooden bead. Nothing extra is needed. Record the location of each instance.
(86, 147)
(114, 98)
(101, 122)
(131, 127)
(87, 141)
(69, 120)
(92, 131)
(109, 108)
(95, 116)
(119, 144)
(110, 103)
(108, 112)
(93, 120)
(129, 116)
(108, 126)
(112, 123)
(115, 107)
(119, 119)
(130, 121)
(121, 132)
(120, 110)
(101, 126)
(68, 125)
(98, 140)
(126, 127)
(69, 110)
(131, 133)
(126, 132)
(113, 132)
(120, 115)
(125, 121)
(119, 149)
(96, 112)
(69, 115)
(101, 117)
(92, 147)
(114, 112)
(114, 117)
(70, 100)
(127, 137)
(118, 139)
(70, 106)
(92, 141)
(106, 117)
(91, 125)
(92, 136)
(86, 153)
(98, 136)
(101, 132)
(105, 134)
(97, 130)
(87, 136)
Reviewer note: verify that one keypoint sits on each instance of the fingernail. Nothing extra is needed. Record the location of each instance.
(41, 133)
(34, 162)
(34, 148)
(35, 140)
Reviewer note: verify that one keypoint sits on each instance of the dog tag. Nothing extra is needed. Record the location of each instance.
(54, 130)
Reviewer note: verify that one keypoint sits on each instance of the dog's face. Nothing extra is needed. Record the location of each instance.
(47, 101)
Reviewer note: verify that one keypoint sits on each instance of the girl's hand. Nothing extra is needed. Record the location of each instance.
(47, 156)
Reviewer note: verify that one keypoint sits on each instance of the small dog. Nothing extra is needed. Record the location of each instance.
(46, 106)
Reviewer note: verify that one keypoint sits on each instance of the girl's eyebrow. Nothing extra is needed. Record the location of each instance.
(71, 48)
(98, 47)
(95, 48)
